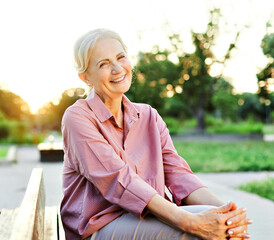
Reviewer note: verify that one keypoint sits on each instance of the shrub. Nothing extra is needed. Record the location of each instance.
(240, 128)
(4, 130)
(212, 121)
(173, 125)
(18, 132)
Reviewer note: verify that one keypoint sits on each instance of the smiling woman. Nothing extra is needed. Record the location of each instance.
(119, 156)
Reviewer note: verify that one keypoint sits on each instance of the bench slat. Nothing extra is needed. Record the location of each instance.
(60, 227)
(50, 231)
(7, 219)
(29, 224)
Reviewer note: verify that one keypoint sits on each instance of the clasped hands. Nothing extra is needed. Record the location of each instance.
(225, 222)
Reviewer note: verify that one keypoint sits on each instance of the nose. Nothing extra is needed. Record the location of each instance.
(116, 68)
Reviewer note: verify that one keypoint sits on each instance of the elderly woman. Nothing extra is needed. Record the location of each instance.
(119, 157)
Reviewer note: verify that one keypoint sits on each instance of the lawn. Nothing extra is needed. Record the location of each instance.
(268, 129)
(3, 152)
(264, 188)
(227, 156)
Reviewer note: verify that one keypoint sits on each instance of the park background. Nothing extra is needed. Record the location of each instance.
(206, 66)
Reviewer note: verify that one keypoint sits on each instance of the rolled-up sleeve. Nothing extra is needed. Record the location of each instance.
(94, 158)
(179, 178)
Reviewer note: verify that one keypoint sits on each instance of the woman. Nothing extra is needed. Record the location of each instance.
(119, 156)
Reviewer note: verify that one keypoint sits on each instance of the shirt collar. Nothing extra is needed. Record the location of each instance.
(103, 113)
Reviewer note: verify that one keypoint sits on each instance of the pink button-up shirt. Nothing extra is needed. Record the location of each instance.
(109, 171)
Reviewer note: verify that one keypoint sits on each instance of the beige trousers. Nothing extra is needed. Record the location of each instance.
(129, 227)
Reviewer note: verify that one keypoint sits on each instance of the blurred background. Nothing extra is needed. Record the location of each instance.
(206, 66)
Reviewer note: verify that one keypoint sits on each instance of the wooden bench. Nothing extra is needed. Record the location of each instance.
(32, 220)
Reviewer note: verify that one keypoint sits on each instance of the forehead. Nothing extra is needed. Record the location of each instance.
(106, 48)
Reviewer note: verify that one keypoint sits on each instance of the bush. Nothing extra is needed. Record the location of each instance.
(212, 121)
(173, 125)
(4, 130)
(3, 152)
(18, 131)
(238, 128)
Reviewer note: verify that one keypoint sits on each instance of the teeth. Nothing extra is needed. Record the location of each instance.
(119, 79)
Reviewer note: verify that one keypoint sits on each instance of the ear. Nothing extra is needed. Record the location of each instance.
(83, 77)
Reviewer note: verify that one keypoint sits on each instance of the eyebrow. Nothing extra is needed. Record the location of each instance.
(106, 59)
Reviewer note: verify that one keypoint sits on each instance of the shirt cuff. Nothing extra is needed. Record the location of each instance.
(183, 186)
(136, 196)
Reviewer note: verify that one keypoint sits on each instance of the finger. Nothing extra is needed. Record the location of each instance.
(234, 206)
(238, 232)
(234, 238)
(238, 222)
(236, 219)
(234, 213)
(230, 206)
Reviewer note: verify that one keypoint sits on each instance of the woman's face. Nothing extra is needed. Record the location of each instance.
(109, 70)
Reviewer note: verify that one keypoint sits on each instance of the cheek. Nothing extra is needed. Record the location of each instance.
(128, 65)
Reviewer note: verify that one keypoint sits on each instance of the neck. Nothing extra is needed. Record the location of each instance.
(115, 107)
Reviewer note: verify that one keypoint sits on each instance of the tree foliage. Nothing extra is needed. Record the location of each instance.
(266, 76)
(13, 106)
(186, 80)
(49, 117)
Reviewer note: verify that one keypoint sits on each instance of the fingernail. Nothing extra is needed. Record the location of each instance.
(249, 221)
(229, 222)
(247, 235)
(230, 232)
(244, 209)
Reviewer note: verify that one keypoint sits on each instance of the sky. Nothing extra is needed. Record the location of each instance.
(37, 37)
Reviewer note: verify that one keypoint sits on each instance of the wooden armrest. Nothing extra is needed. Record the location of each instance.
(29, 223)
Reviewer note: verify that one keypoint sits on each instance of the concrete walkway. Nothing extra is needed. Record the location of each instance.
(14, 180)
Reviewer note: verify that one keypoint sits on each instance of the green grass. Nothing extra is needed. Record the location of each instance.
(3, 152)
(264, 188)
(226, 156)
(268, 129)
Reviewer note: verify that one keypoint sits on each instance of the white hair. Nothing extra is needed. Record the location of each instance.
(84, 45)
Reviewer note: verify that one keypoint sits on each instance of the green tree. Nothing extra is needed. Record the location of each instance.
(265, 76)
(152, 76)
(250, 107)
(199, 87)
(188, 81)
(13, 106)
(49, 117)
(224, 101)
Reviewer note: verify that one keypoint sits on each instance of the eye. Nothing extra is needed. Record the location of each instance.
(121, 56)
(102, 64)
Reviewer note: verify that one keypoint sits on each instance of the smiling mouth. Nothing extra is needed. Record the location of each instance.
(119, 79)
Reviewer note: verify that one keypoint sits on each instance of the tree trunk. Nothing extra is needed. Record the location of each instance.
(200, 117)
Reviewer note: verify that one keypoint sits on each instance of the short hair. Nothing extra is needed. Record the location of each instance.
(84, 45)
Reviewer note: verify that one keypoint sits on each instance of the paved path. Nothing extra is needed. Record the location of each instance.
(260, 210)
(14, 180)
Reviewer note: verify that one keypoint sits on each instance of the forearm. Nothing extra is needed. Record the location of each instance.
(169, 213)
(209, 224)
(203, 196)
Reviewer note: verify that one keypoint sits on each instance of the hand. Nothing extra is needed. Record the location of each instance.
(238, 225)
(215, 224)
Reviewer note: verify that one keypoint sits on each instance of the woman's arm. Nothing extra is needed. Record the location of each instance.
(203, 196)
(209, 225)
